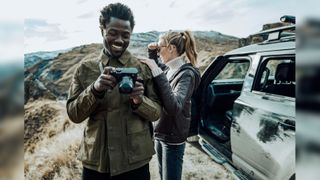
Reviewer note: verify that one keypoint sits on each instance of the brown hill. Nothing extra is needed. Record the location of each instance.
(55, 75)
(58, 76)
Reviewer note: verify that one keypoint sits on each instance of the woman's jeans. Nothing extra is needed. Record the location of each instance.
(170, 159)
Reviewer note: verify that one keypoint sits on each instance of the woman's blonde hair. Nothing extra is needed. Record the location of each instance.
(184, 42)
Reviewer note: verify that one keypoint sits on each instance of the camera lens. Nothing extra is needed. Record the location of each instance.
(126, 85)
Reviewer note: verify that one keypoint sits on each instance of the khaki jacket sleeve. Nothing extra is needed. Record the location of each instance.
(150, 107)
(81, 101)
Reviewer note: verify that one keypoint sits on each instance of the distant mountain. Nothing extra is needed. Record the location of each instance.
(210, 41)
(33, 58)
(49, 73)
(151, 36)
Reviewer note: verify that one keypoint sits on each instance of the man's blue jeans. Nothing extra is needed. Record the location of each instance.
(170, 159)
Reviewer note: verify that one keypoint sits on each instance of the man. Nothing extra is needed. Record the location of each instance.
(117, 140)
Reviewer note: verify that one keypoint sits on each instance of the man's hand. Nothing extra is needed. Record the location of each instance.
(105, 81)
(137, 93)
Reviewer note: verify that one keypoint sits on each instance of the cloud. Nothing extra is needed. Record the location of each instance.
(81, 1)
(214, 12)
(176, 3)
(238, 17)
(86, 15)
(172, 4)
(32, 23)
(39, 28)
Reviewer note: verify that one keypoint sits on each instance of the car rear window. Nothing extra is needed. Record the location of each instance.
(278, 77)
(234, 70)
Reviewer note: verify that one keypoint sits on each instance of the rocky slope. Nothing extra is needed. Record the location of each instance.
(50, 142)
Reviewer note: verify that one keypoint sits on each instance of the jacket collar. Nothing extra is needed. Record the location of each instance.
(105, 58)
(182, 68)
(176, 63)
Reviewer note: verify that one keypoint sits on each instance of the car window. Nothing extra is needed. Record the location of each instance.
(278, 77)
(234, 70)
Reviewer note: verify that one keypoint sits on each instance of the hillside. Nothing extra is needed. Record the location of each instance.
(55, 73)
(51, 141)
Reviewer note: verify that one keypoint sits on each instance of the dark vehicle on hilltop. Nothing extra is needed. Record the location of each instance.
(244, 108)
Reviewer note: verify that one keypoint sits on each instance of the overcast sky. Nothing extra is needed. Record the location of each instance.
(60, 24)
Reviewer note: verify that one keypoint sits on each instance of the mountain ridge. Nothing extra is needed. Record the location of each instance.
(54, 69)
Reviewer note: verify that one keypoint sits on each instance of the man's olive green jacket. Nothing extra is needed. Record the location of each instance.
(117, 137)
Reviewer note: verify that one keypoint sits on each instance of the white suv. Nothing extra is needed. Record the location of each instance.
(244, 109)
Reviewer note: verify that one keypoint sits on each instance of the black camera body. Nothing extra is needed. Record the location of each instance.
(126, 78)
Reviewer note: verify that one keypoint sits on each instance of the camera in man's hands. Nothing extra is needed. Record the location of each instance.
(126, 78)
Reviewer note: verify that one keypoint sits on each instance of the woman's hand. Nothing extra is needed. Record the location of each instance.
(150, 62)
(153, 46)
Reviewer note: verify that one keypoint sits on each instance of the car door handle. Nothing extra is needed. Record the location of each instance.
(288, 125)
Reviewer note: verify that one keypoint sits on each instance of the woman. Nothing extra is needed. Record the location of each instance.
(176, 81)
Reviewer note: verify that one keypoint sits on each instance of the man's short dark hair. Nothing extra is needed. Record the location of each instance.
(116, 10)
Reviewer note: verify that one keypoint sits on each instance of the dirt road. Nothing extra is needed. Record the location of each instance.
(197, 166)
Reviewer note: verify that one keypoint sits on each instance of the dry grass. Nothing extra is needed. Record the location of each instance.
(51, 152)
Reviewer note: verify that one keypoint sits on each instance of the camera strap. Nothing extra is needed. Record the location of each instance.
(101, 67)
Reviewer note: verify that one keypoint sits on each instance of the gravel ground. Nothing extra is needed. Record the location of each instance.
(197, 165)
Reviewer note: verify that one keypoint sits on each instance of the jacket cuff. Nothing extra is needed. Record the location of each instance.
(144, 110)
(156, 72)
(96, 93)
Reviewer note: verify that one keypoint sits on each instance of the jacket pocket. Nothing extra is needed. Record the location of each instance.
(140, 146)
(90, 145)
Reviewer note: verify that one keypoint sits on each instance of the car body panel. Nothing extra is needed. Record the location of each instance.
(262, 133)
(260, 145)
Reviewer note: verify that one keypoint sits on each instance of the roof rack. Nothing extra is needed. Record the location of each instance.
(277, 33)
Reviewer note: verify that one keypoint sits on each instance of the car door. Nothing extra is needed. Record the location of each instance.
(263, 126)
(221, 84)
(213, 68)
